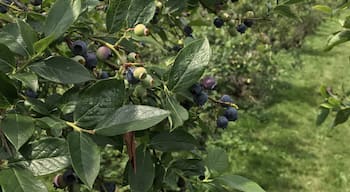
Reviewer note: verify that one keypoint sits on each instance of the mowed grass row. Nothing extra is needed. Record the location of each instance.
(280, 146)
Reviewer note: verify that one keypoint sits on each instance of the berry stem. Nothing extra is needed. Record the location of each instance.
(78, 129)
(11, 6)
(225, 103)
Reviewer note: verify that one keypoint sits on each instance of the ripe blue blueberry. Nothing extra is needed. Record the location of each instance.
(248, 22)
(200, 99)
(30, 93)
(226, 99)
(69, 177)
(218, 22)
(241, 28)
(196, 89)
(188, 30)
(231, 114)
(222, 122)
(36, 2)
(3, 8)
(91, 60)
(79, 47)
(108, 187)
(104, 75)
(208, 83)
(130, 76)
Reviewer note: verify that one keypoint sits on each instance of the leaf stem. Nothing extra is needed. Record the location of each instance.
(78, 129)
(224, 103)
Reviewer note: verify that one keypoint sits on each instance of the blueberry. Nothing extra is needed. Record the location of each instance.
(226, 98)
(188, 30)
(69, 177)
(30, 93)
(130, 76)
(3, 8)
(201, 177)
(222, 122)
(248, 22)
(231, 114)
(91, 60)
(241, 28)
(58, 182)
(108, 187)
(104, 75)
(79, 48)
(208, 83)
(218, 22)
(36, 2)
(196, 89)
(103, 53)
(200, 99)
(177, 48)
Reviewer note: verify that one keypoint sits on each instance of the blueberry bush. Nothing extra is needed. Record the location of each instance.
(84, 82)
(335, 101)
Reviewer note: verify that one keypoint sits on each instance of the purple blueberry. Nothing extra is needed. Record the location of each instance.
(103, 53)
(104, 75)
(130, 76)
(222, 122)
(90, 60)
(231, 114)
(200, 99)
(218, 22)
(241, 28)
(79, 47)
(208, 83)
(196, 89)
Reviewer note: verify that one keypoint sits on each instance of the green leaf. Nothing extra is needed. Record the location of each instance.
(8, 91)
(321, 117)
(174, 141)
(346, 22)
(285, 11)
(18, 129)
(69, 100)
(42, 44)
(178, 113)
(7, 59)
(239, 183)
(28, 79)
(20, 180)
(341, 117)
(323, 8)
(61, 16)
(37, 105)
(12, 37)
(45, 156)
(172, 6)
(289, 2)
(123, 13)
(337, 38)
(217, 160)
(61, 70)
(98, 101)
(85, 157)
(189, 167)
(189, 65)
(28, 35)
(142, 179)
(131, 118)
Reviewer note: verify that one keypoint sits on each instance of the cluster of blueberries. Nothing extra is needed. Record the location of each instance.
(4, 9)
(89, 59)
(69, 178)
(241, 28)
(200, 98)
(230, 113)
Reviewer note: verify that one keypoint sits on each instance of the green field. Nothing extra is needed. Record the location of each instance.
(279, 146)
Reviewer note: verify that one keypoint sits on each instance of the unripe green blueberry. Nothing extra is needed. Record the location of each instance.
(141, 30)
(148, 80)
(132, 56)
(80, 59)
(180, 42)
(159, 4)
(140, 73)
(249, 14)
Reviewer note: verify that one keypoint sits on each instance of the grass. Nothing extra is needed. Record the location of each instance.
(279, 146)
